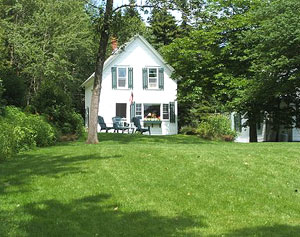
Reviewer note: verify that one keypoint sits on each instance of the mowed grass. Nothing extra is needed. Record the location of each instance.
(132, 185)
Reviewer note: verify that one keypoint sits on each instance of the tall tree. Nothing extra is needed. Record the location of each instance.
(46, 40)
(126, 23)
(208, 64)
(163, 26)
(275, 61)
(104, 37)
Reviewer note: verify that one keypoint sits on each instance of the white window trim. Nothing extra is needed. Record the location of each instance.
(148, 78)
(126, 79)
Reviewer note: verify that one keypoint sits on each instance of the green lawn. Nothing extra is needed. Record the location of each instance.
(152, 186)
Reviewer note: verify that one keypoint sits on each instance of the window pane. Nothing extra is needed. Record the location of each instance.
(121, 72)
(121, 110)
(153, 86)
(152, 80)
(152, 111)
(152, 72)
(121, 82)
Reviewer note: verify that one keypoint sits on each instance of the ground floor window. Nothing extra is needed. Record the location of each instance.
(165, 111)
(138, 109)
(121, 110)
(152, 111)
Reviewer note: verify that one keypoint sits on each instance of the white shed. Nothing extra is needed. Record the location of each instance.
(137, 82)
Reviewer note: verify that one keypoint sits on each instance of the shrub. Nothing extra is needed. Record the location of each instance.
(188, 130)
(216, 127)
(20, 131)
(78, 123)
(45, 134)
(33, 128)
(7, 141)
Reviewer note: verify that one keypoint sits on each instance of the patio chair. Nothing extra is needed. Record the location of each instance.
(103, 124)
(117, 124)
(139, 128)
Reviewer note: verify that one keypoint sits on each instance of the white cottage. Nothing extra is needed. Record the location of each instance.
(137, 82)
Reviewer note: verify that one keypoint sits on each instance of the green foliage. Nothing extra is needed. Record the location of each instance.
(163, 27)
(202, 87)
(275, 60)
(15, 88)
(1, 99)
(55, 103)
(7, 140)
(216, 127)
(20, 131)
(188, 130)
(126, 24)
(45, 40)
(36, 126)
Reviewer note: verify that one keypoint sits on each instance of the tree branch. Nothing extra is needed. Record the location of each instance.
(134, 5)
(128, 5)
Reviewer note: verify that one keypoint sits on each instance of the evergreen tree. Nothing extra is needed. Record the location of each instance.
(163, 27)
(127, 23)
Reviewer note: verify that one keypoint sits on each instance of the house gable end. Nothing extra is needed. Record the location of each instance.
(123, 56)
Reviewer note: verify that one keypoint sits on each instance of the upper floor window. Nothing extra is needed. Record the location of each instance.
(122, 77)
(152, 78)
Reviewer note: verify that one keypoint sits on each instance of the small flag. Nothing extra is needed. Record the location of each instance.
(131, 98)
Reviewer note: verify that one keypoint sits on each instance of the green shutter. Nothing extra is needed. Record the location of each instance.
(132, 111)
(145, 78)
(130, 78)
(114, 77)
(172, 112)
(161, 78)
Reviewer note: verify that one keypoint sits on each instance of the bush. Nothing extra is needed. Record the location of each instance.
(7, 141)
(216, 127)
(33, 129)
(45, 134)
(20, 131)
(188, 130)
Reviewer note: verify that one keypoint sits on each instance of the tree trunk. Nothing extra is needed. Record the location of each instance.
(104, 37)
(253, 130)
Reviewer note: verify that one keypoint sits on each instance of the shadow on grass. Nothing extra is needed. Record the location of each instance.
(96, 216)
(17, 172)
(144, 139)
(274, 231)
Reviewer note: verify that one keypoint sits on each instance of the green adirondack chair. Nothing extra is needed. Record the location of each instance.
(117, 125)
(103, 124)
(139, 128)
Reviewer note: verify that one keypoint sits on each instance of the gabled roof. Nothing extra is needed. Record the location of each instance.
(123, 48)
